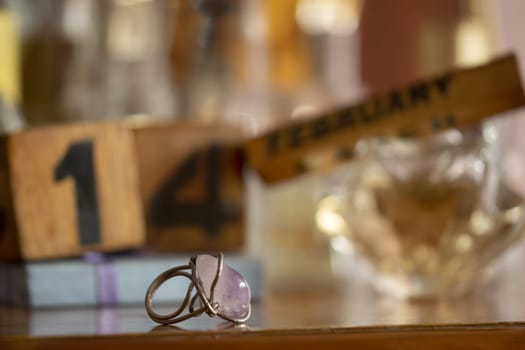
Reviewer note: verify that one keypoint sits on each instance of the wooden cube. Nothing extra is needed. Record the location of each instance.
(191, 187)
(69, 189)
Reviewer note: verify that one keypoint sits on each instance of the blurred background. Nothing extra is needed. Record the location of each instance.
(253, 64)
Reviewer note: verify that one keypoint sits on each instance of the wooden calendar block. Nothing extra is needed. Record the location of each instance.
(191, 187)
(459, 99)
(69, 189)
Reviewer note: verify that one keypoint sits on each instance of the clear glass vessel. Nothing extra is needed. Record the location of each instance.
(429, 216)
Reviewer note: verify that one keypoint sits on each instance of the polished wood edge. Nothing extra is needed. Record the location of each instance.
(459, 336)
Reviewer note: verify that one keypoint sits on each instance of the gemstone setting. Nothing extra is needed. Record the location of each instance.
(231, 295)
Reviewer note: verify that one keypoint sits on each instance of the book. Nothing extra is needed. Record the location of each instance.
(116, 280)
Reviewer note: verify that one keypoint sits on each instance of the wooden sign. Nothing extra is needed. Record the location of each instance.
(68, 189)
(191, 186)
(457, 99)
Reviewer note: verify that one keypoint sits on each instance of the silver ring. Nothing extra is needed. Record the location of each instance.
(208, 303)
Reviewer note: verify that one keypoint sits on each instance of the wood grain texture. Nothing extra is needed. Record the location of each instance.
(487, 336)
(46, 209)
(457, 99)
(180, 208)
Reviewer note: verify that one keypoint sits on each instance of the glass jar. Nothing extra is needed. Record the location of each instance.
(428, 216)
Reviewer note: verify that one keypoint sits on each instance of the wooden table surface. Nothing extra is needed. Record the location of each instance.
(349, 316)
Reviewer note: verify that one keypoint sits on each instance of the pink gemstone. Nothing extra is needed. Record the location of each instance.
(232, 293)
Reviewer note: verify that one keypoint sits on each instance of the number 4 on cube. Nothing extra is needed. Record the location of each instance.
(191, 187)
